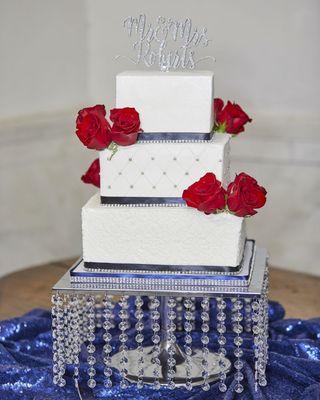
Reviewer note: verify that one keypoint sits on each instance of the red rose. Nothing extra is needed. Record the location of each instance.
(244, 195)
(206, 195)
(92, 127)
(126, 125)
(229, 118)
(92, 176)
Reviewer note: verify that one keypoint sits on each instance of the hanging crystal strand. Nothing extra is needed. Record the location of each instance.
(194, 312)
(123, 326)
(205, 317)
(139, 339)
(171, 342)
(179, 311)
(188, 303)
(255, 306)
(90, 311)
(107, 325)
(221, 328)
(155, 326)
(263, 348)
(75, 338)
(247, 315)
(237, 328)
(59, 363)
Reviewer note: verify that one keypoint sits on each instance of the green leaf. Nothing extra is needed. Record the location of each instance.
(221, 128)
(113, 147)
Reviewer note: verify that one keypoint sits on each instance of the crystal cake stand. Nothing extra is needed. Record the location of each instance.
(83, 304)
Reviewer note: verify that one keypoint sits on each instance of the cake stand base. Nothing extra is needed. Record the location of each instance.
(217, 365)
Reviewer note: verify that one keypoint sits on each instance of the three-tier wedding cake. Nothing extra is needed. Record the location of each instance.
(167, 200)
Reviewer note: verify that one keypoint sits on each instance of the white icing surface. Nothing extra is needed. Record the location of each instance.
(168, 101)
(163, 169)
(160, 235)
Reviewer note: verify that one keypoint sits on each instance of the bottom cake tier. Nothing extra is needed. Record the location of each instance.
(153, 236)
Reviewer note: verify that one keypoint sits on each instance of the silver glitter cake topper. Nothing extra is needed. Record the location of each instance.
(169, 43)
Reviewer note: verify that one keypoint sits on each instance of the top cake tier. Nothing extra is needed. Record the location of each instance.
(168, 101)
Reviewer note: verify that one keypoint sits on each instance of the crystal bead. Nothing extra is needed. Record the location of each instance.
(107, 325)
(222, 351)
(155, 303)
(171, 362)
(238, 340)
(204, 316)
(156, 327)
(188, 350)
(205, 328)
(255, 305)
(221, 305)
(91, 360)
(139, 338)
(139, 326)
(61, 382)
(138, 302)
(188, 339)
(107, 371)
(107, 337)
(238, 364)
(238, 352)
(123, 314)
(205, 339)
(237, 329)
(238, 376)
(155, 339)
(238, 388)
(155, 315)
(91, 371)
(189, 386)
(107, 348)
(107, 360)
(262, 381)
(171, 302)
(205, 387)
(221, 328)
(91, 348)
(92, 383)
(223, 375)
(171, 385)
(140, 384)
(221, 316)
(188, 303)
(171, 315)
(222, 387)
(107, 383)
(222, 340)
(123, 337)
(124, 384)
(188, 326)
(156, 385)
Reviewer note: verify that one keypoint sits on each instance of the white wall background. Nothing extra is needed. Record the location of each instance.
(57, 56)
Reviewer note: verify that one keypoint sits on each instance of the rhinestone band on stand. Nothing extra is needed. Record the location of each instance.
(81, 315)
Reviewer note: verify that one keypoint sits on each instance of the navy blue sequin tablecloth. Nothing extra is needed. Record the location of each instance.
(293, 370)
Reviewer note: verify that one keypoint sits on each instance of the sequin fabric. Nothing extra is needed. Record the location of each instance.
(293, 369)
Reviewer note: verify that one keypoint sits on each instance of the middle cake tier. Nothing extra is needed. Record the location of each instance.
(153, 236)
(160, 169)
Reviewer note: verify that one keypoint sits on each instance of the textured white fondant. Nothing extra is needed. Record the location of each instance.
(162, 169)
(168, 101)
(160, 235)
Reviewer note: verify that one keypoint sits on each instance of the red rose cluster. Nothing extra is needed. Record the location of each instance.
(229, 118)
(241, 198)
(95, 132)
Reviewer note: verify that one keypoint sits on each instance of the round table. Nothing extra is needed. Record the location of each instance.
(31, 288)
